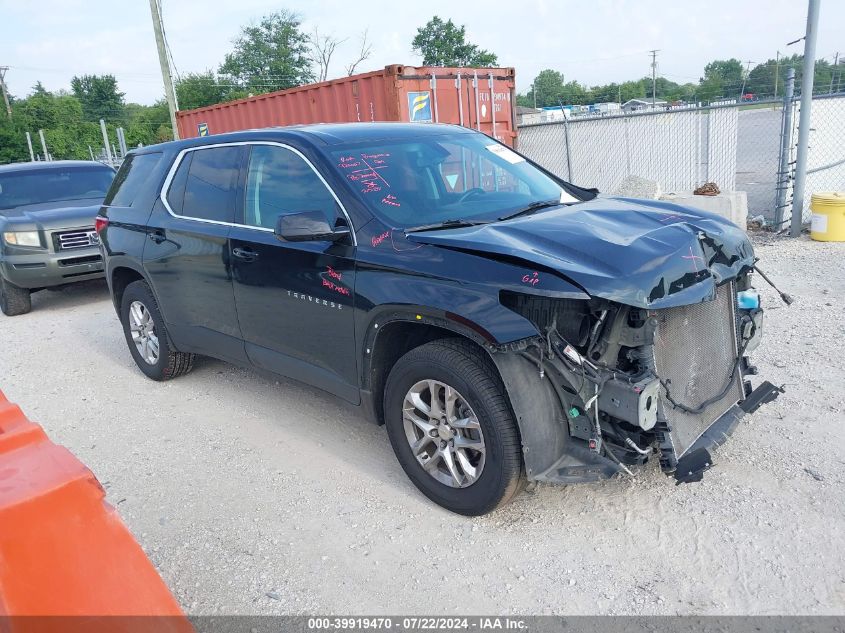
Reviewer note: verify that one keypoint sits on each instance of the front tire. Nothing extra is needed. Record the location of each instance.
(452, 429)
(146, 335)
(13, 300)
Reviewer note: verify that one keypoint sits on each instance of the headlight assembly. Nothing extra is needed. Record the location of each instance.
(22, 238)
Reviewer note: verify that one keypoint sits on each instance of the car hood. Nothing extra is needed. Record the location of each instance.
(52, 215)
(642, 253)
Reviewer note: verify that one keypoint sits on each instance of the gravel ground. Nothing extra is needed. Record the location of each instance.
(257, 496)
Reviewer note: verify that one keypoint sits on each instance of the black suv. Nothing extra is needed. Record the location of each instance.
(503, 324)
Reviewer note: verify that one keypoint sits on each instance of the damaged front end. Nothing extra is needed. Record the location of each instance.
(606, 385)
(646, 352)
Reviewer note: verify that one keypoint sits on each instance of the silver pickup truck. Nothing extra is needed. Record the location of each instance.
(47, 236)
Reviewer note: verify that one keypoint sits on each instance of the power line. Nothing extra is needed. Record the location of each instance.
(169, 92)
(167, 43)
(745, 77)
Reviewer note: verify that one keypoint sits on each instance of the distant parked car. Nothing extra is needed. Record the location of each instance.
(47, 212)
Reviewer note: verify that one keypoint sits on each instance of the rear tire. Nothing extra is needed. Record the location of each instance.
(146, 335)
(13, 300)
(457, 369)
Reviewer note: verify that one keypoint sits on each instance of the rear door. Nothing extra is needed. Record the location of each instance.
(294, 299)
(187, 254)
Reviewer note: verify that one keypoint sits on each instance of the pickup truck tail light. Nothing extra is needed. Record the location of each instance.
(100, 223)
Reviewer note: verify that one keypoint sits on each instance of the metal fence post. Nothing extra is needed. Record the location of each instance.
(568, 155)
(106, 142)
(804, 117)
(44, 145)
(29, 144)
(785, 142)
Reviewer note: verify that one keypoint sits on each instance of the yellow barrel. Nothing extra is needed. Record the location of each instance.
(828, 222)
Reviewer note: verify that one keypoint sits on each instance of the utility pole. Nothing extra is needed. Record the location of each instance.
(654, 76)
(169, 92)
(833, 72)
(745, 78)
(534, 92)
(3, 70)
(777, 72)
(804, 117)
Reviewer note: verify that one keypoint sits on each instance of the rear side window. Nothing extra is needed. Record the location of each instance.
(176, 192)
(211, 184)
(133, 177)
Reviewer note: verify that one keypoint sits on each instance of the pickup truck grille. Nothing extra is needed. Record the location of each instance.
(695, 348)
(77, 239)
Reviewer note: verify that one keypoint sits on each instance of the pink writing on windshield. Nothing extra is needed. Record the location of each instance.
(368, 176)
(391, 200)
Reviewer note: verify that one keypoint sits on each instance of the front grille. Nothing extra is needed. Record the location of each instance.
(76, 239)
(76, 261)
(695, 348)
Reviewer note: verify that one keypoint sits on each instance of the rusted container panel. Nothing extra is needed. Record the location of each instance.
(478, 98)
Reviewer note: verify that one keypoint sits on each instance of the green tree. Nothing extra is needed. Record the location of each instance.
(99, 97)
(66, 131)
(196, 90)
(444, 44)
(272, 55)
(722, 79)
(548, 86)
(147, 125)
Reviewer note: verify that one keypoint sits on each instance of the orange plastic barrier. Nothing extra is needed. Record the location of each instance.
(67, 561)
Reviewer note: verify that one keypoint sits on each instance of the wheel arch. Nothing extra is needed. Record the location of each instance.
(120, 276)
(393, 333)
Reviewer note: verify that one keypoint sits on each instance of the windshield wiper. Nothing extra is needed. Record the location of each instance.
(531, 208)
(445, 224)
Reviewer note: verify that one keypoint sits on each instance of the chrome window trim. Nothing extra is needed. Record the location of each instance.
(162, 196)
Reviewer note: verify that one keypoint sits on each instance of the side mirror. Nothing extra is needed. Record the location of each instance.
(308, 226)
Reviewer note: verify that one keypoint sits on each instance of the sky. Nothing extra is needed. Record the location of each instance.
(593, 42)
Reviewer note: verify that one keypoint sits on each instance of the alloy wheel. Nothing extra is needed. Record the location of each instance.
(444, 433)
(142, 329)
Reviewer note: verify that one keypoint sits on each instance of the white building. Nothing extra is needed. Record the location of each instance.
(634, 105)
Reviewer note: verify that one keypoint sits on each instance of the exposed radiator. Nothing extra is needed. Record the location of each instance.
(695, 348)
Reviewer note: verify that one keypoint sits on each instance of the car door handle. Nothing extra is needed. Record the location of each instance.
(244, 254)
(157, 236)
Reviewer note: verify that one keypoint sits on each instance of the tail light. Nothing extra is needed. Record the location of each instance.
(100, 223)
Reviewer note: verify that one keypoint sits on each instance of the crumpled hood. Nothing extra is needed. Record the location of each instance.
(642, 253)
(52, 215)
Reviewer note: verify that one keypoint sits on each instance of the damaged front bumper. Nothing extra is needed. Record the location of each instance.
(584, 421)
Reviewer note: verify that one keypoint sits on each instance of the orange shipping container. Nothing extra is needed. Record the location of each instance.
(479, 98)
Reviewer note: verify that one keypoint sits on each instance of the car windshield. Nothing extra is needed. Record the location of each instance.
(53, 184)
(456, 177)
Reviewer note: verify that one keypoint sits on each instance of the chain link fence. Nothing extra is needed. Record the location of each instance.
(746, 147)
(826, 155)
(679, 148)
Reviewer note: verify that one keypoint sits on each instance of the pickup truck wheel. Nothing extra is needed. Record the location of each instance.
(146, 335)
(452, 429)
(14, 300)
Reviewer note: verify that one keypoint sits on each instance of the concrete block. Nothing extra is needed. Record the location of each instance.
(732, 205)
(638, 187)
